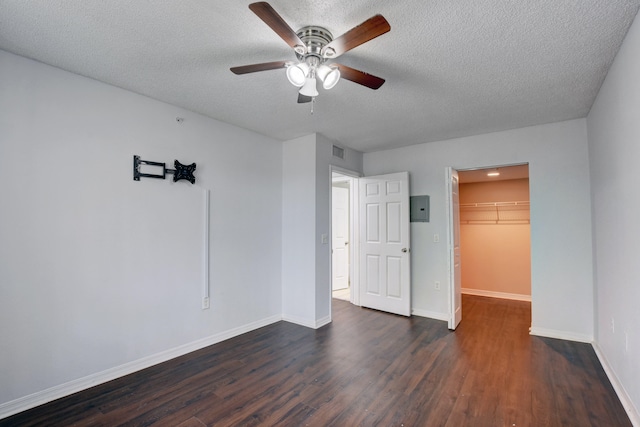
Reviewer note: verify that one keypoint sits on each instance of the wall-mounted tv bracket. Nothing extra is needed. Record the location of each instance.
(180, 172)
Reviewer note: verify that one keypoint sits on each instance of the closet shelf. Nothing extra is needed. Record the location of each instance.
(495, 213)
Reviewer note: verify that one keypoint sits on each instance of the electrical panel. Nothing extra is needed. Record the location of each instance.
(419, 211)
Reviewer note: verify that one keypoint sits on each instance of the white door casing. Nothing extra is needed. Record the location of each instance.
(453, 242)
(385, 276)
(340, 237)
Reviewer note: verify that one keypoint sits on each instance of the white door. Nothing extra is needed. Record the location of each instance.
(340, 237)
(384, 235)
(453, 241)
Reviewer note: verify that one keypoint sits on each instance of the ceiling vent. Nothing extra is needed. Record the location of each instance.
(338, 152)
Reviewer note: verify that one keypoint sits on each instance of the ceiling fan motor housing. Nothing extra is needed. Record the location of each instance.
(314, 38)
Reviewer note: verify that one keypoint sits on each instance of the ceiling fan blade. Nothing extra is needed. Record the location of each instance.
(369, 29)
(244, 69)
(360, 77)
(277, 24)
(302, 99)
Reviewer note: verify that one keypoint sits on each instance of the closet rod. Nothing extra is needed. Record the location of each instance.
(494, 204)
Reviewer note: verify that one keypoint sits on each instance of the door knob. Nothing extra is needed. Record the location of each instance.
(405, 250)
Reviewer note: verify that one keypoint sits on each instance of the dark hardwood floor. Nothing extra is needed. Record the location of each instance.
(367, 368)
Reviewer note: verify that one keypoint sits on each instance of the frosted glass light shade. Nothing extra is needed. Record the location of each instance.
(297, 74)
(309, 88)
(328, 75)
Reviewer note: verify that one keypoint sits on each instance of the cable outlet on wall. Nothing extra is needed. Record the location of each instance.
(436, 285)
(205, 303)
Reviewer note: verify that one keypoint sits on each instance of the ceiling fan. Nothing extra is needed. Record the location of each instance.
(314, 47)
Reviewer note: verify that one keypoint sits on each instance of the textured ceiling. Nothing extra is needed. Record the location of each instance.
(452, 68)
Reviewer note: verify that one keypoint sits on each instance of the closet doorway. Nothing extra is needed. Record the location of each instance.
(495, 238)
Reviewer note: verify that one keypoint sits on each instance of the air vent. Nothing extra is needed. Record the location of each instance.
(338, 152)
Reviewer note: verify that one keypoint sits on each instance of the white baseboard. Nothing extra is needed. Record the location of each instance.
(39, 398)
(492, 294)
(430, 314)
(308, 323)
(561, 335)
(627, 403)
(321, 322)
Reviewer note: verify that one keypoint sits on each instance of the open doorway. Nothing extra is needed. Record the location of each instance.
(377, 266)
(344, 245)
(340, 232)
(495, 239)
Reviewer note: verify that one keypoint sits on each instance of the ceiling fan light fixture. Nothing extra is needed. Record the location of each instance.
(297, 74)
(309, 88)
(328, 75)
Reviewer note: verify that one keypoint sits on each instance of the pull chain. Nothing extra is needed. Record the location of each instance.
(313, 101)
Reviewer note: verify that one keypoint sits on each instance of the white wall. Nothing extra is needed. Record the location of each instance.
(98, 271)
(614, 150)
(298, 230)
(306, 261)
(562, 285)
(324, 160)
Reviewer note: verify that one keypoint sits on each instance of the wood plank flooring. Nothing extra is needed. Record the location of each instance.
(367, 368)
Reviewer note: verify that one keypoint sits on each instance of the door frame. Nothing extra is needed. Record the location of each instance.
(354, 240)
(341, 186)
